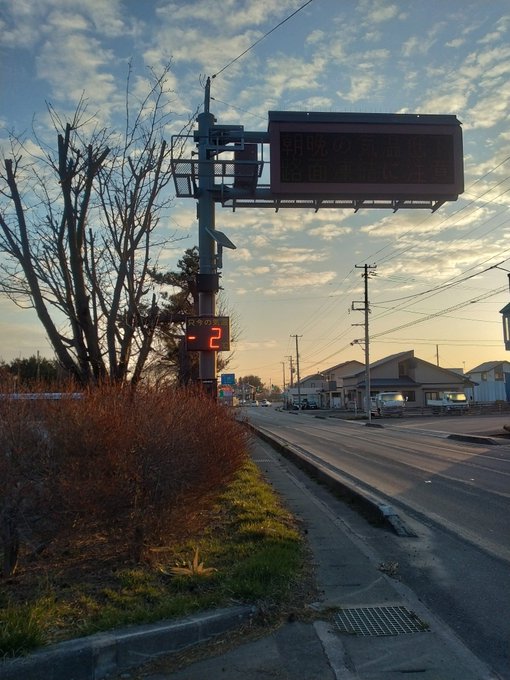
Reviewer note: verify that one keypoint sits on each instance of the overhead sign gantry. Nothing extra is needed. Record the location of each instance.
(359, 156)
(316, 160)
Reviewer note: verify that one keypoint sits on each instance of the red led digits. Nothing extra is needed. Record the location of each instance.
(215, 337)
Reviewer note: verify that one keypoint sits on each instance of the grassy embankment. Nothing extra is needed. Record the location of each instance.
(226, 539)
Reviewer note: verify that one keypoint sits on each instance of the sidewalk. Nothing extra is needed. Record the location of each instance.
(400, 637)
(366, 626)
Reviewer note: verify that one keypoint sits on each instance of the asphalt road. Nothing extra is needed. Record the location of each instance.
(456, 497)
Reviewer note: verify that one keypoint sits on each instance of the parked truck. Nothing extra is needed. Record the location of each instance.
(388, 404)
(449, 402)
(310, 402)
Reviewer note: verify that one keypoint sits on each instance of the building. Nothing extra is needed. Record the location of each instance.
(416, 379)
(344, 385)
(310, 387)
(333, 394)
(491, 382)
(327, 386)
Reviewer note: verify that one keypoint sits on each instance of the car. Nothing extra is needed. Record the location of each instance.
(265, 402)
(254, 402)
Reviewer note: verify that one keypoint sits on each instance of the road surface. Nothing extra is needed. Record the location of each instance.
(455, 495)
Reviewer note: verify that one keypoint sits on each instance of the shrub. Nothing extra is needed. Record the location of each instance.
(134, 466)
(25, 480)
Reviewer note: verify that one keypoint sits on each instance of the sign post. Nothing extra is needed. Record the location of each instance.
(319, 161)
(208, 278)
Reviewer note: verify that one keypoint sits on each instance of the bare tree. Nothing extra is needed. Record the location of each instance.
(78, 229)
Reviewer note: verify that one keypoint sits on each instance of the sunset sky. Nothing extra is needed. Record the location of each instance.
(440, 278)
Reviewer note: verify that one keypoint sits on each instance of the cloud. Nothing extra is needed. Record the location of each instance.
(247, 346)
(375, 12)
(232, 15)
(316, 37)
(330, 231)
(456, 42)
(83, 69)
(299, 280)
(288, 255)
(291, 73)
(444, 260)
(243, 254)
(380, 13)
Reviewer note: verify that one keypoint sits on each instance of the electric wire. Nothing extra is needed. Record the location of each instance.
(435, 315)
(452, 283)
(334, 299)
(261, 39)
(373, 256)
(396, 252)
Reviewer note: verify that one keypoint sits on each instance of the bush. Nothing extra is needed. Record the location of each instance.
(134, 466)
(25, 474)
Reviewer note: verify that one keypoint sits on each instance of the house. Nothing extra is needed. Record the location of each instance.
(416, 379)
(327, 386)
(334, 395)
(491, 382)
(310, 386)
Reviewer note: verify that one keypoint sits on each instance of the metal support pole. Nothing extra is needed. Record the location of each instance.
(206, 244)
(297, 371)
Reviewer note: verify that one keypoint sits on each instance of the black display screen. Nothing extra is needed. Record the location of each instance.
(359, 157)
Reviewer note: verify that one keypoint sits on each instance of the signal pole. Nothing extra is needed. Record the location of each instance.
(366, 310)
(208, 278)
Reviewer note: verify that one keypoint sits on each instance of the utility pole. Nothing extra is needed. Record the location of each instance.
(291, 371)
(297, 370)
(366, 310)
(283, 376)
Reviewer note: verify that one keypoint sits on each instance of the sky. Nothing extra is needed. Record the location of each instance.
(438, 279)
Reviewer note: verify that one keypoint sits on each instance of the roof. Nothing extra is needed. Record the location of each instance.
(487, 366)
(343, 365)
(380, 362)
(315, 376)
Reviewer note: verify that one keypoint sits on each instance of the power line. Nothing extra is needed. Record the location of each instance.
(449, 217)
(261, 39)
(495, 291)
(444, 286)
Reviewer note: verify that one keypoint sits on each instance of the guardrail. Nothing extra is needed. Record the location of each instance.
(46, 396)
(475, 409)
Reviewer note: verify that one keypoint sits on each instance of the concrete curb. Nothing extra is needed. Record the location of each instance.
(96, 656)
(474, 439)
(374, 508)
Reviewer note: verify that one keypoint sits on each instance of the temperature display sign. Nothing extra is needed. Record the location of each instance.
(208, 333)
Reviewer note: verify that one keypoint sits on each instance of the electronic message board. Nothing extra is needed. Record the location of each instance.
(205, 333)
(366, 155)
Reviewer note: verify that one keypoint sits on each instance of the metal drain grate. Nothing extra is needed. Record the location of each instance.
(379, 621)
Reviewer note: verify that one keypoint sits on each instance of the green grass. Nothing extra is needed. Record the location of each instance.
(251, 542)
(22, 628)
